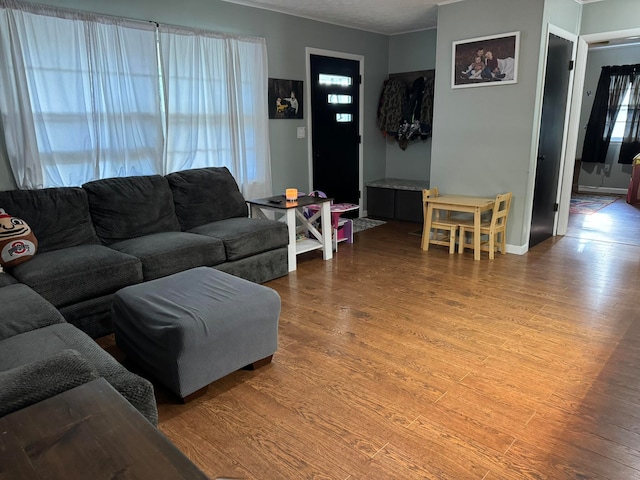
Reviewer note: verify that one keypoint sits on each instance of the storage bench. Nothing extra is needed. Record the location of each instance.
(396, 199)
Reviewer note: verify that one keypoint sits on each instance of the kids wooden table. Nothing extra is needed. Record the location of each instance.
(460, 203)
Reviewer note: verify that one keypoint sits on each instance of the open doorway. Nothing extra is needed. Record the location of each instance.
(605, 184)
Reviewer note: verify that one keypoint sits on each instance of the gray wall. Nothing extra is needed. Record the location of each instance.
(409, 53)
(482, 139)
(592, 174)
(564, 14)
(287, 38)
(610, 15)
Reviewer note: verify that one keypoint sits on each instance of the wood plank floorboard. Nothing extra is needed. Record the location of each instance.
(394, 363)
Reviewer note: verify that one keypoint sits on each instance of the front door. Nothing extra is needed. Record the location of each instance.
(554, 108)
(335, 107)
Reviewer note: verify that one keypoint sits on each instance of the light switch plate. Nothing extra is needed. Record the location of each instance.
(301, 132)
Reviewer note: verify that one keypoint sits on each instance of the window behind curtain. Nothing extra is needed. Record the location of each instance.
(85, 94)
(621, 119)
(85, 97)
(216, 105)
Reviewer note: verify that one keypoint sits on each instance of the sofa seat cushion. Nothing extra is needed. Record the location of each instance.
(92, 316)
(23, 310)
(205, 195)
(44, 342)
(244, 237)
(71, 275)
(166, 253)
(58, 217)
(129, 207)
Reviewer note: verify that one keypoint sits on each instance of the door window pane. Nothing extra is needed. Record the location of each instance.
(344, 117)
(339, 99)
(329, 79)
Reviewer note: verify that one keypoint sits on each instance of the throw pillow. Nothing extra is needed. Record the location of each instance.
(17, 242)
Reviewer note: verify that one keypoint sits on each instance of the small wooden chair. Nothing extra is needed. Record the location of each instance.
(444, 230)
(495, 228)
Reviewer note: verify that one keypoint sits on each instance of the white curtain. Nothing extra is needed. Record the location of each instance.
(127, 102)
(79, 96)
(84, 96)
(216, 105)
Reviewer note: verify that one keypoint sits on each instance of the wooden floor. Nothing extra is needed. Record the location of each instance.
(394, 363)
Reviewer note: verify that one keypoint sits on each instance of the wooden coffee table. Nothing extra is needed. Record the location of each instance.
(88, 432)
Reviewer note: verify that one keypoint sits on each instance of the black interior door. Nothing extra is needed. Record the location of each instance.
(335, 87)
(554, 104)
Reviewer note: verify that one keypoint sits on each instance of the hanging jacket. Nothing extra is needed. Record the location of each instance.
(393, 97)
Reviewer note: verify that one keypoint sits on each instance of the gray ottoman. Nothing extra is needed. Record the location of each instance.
(194, 327)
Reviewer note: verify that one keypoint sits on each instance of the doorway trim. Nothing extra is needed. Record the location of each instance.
(348, 56)
(574, 119)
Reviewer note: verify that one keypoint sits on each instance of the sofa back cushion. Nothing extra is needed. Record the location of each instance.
(205, 195)
(129, 207)
(58, 217)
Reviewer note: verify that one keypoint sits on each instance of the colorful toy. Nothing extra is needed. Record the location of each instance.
(17, 242)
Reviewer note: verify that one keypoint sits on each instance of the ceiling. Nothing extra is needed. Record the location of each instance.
(389, 17)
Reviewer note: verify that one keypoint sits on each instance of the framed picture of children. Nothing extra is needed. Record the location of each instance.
(486, 61)
(285, 98)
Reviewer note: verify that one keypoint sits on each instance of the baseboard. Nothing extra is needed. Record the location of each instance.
(610, 190)
(517, 249)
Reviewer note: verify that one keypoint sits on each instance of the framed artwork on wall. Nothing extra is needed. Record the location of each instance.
(486, 61)
(285, 99)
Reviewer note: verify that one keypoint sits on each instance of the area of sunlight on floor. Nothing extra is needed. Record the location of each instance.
(596, 227)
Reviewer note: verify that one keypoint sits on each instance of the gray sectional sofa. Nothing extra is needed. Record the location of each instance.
(42, 355)
(96, 239)
(111, 233)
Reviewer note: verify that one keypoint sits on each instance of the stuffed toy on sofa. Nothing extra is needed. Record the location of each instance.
(17, 242)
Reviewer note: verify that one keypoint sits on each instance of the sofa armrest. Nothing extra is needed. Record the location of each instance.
(24, 310)
(28, 384)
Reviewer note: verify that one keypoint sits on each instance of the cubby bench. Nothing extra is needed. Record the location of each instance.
(396, 198)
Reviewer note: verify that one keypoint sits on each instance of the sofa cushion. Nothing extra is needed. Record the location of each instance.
(205, 195)
(129, 207)
(92, 316)
(58, 217)
(41, 343)
(78, 273)
(244, 237)
(23, 310)
(166, 253)
(259, 268)
(6, 279)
